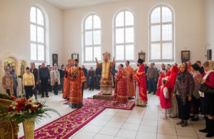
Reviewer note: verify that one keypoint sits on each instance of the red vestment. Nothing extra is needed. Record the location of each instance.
(130, 80)
(66, 83)
(120, 92)
(75, 81)
(140, 77)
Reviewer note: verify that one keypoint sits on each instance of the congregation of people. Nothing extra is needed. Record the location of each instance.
(177, 86)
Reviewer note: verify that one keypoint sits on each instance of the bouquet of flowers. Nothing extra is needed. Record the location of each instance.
(21, 109)
(6, 96)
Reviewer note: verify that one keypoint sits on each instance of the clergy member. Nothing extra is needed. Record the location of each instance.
(76, 78)
(106, 81)
(66, 87)
(140, 77)
(130, 80)
(120, 92)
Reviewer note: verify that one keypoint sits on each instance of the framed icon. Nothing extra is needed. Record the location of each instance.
(185, 56)
(142, 55)
(209, 54)
(55, 59)
(74, 56)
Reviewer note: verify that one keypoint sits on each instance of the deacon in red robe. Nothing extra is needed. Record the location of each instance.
(66, 87)
(141, 90)
(76, 78)
(120, 92)
(130, 80)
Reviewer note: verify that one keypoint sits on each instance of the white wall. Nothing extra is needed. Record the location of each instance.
(15, 30)
(189, 26)
(210, 25)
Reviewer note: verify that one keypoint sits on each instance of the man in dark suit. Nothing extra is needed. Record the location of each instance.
(91, 78)
(35, 72)
(44, 78)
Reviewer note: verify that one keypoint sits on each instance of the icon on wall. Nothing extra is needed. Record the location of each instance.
(209, 54)
(55, 59)
(74, 56)
(185, 56)
(142, 55)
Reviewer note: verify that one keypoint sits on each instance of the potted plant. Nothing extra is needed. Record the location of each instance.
(26, 111)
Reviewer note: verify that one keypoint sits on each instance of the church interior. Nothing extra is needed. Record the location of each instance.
(163, 32)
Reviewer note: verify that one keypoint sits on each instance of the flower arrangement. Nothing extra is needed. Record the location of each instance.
(6, 96)
(22, 109)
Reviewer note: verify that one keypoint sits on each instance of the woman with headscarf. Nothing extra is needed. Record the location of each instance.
(208, 106)
(168, 70)
(161, 76)
(189, 66)
(163, 68)
(15, 81)
(172, 80)
(183, 91)
(196, 96)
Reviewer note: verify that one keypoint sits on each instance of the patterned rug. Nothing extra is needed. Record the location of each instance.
(67, 125)
(105, 97)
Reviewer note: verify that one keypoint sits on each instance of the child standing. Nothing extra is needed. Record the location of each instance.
(165, 100)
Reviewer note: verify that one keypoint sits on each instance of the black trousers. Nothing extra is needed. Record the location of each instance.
(15, 92)
(44, 86)
(196, 104)
(183, 109)
(8, 91)
(56, 87)
(29, 91)
(92, 85)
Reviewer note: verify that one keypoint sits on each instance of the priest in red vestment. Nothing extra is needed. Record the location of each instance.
(66, 87)
(141, 90)
(120, 92)
(76, 79)
(130, 80)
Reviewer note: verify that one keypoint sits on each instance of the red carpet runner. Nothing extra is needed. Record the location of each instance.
(67, 125)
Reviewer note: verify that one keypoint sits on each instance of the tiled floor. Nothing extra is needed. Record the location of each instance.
(140, 123)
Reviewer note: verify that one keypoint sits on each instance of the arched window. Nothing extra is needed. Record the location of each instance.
(92, 38)
(124, 36)
(161, 34)
(37, 34)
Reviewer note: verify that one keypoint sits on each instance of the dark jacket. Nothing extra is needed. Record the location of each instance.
(44, 73)
(98, 71)
(62, 73)
(85, 72)
(36, 74)
(91, 74)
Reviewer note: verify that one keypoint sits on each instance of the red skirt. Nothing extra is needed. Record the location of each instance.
(164, 102)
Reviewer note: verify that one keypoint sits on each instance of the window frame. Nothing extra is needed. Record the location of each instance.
(84, 30)
(123, 27)
(36, 42)
(161, 42)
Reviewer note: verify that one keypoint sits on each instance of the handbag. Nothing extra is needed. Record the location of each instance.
(206, 89)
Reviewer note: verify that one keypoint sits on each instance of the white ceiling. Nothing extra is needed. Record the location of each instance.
(68, 4)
